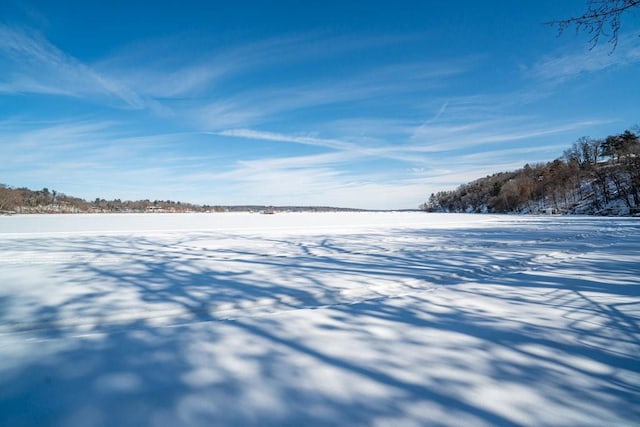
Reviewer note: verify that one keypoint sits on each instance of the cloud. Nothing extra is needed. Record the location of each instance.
(526, 153)
(347, 150)
(442, 138)
(279, 137)
(380, 88)
(369, 134)
(32, 146)
(257, 183)
(110, 163)
(164, 68)
(562, 67)
(281, 182)
(31, 64)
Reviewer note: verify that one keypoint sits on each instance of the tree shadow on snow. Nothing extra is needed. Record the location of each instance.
(430, 327)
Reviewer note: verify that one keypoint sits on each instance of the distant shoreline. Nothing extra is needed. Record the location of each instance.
(224, 209)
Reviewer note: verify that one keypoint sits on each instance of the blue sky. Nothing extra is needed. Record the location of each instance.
(357, 104)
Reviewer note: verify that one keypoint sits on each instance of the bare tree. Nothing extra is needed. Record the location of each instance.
(7, 198)
(602, 18)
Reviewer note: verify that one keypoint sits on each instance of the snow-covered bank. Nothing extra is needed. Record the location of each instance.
(319, 319)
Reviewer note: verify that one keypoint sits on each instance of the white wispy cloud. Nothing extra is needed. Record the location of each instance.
(527, 154)
(280, 182)
(373, 134)
(456, 137)
(279, 137)
(106, 142)
(378, 88)
(113, 164)
(427, 143)
(564, 66)
(347, 149)
(162, 68)
(31, 64)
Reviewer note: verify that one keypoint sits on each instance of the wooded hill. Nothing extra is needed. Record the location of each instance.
(593, 177)
(24, 200)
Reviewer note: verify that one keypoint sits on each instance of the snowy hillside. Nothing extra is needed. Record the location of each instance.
(382, 319)
(594, 177)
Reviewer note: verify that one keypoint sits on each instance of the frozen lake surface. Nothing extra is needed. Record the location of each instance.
(385, 319)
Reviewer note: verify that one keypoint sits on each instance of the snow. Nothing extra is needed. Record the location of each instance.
(400, 319)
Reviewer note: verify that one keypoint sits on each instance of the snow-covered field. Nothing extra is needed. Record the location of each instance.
(398, 319)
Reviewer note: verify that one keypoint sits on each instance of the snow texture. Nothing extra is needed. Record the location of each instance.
(376, 319)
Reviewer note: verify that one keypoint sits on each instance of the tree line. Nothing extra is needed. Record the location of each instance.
(24, 200)
(594, 176)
